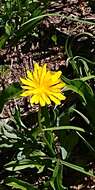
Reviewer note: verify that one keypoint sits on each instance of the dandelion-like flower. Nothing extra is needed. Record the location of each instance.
(43, 86)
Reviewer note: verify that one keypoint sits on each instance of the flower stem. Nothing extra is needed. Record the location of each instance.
(44, 138)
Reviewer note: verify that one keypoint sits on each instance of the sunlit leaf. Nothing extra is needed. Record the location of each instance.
(80, 87)
(23, 164)
(19, 184)
(55, 173)
(8, 93)
(77, 168)
(64, 128)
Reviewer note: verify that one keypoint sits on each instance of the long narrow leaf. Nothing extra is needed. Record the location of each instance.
(77, 168)
(19, 184)
(84, 21)
(86, 142)
(64, 128)
(82, 115)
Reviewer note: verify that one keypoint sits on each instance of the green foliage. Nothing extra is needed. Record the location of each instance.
(45, 134)
(19, 184)
(18, 18)
(8, 93)
(56, 179)
(77, 168)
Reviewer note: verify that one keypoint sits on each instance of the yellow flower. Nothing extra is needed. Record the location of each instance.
(43, 86)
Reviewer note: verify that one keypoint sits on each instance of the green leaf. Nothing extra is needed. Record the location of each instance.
(46, 122)
(23, 164)
(9, 135)
(17, 118)
(37, 153)
(6, 145)
(8, 93)
(68, 141)
(90, 107)
(86, 142)
(63, 152)
(54, 39)
(55, 173)
(7, 131)
(85, 91)
(67, 17)
(88, 78)
(3, 40)
(80, 87)
(68, 81)
(19, 184)
(59, 178)
(82, 115)
(64, 128)
(77, 168)
(28, 26)
(8, 29)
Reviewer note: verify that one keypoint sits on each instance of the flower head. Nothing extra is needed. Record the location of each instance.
(43, 86)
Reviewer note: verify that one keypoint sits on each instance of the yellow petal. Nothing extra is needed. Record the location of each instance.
(24, 81)
(59, 96)
(34, 99)
(35, 72)
(55, 77)
(36, 66)
(54, 90)
(27, 87)
(59, 85)
(27, 93)
(43, 74)
(55, 100)
(28, 82)
(46, 99)
(36, 91)
(48, 76)
(29, 75)
(42, 102)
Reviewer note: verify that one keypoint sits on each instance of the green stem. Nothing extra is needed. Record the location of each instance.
(44, 138)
